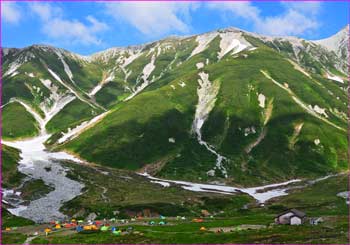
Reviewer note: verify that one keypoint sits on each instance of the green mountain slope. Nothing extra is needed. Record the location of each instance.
(17, 122)
(226, 105)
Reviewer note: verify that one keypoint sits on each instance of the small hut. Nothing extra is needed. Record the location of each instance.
(291, 217)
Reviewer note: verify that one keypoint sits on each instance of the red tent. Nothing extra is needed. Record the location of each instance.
(98, 222)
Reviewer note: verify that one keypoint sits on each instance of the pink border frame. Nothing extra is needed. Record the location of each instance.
(348, 112)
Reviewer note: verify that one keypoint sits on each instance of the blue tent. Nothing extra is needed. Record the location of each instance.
(79, 228)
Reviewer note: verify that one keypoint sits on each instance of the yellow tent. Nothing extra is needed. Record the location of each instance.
(47, 231)
(58, 226)
(7, 229)
(203, 228)
(87, 227)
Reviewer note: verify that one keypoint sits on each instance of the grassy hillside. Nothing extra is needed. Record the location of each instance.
(10, 175)
(15, 126)
(137, 132)
(70, 116)
(155, 116)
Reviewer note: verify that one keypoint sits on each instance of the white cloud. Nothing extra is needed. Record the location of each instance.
(240, 9)
(153, 18)
(63, 30)
(297, 17)
(312, 8)
(10, 12)
(45, 11)
(291, 23)
(74, 31)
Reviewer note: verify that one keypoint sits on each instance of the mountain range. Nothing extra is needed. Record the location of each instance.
(225, 106)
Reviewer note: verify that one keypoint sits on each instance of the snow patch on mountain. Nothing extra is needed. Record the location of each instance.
(319, 110)
(72, 133)
(146, 72)
(66, 67)
(131, 56)
(57, 78)
(14, 74)
(35, 159)
(260, 193)
(104, 81)
(199, 65)
(334, 78)
(261, 99)
(30, 75)
(22, 58)
(182, 84)
(203, 42)
(207, 92)
(231, 41)
(58, 104)
(162, 183)
(12, 69)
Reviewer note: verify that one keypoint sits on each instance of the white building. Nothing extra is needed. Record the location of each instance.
(291, 217)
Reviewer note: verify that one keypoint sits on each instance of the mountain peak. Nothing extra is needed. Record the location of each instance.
(338, 43)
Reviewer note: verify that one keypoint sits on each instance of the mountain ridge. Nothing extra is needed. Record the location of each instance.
(209, 106)
(225, 29)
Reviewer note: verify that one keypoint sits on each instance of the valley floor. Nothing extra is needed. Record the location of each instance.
(333, 231)
(232, 213)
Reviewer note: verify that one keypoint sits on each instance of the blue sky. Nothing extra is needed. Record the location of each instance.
(87, 27)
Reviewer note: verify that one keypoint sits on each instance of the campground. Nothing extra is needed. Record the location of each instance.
(176, 231)
(241, 218)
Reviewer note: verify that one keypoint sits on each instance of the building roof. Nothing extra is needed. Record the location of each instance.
(296, 213)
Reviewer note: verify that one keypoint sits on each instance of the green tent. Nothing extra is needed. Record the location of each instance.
(152, 222)
(162, 223)
(104, 228)
(117, 232)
